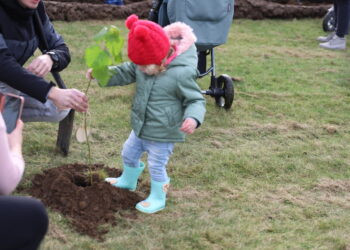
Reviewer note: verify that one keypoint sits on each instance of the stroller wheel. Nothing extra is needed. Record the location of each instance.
(225, 83)
(328, 23)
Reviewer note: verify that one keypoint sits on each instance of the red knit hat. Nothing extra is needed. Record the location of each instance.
(147, 41)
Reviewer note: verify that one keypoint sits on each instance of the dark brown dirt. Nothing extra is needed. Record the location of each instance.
(90, 208)
(73, 10)
(260, 9)
(95, 9)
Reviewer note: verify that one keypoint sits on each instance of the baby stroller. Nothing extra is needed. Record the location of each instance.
(210, 21)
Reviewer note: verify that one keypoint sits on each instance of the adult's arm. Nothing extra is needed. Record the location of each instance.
(54, 40)
(11, 163)
(13, 74)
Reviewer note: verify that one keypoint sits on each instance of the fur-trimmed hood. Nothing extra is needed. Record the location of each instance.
(181, 35)
(182, 39)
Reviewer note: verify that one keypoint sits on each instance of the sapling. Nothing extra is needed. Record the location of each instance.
(106, 51)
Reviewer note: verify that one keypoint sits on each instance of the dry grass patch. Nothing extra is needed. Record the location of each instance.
(331, 129)
(299, 52)
(57, 233)
(333, 186)
(189, 194)
(285, 126)
(326, 192)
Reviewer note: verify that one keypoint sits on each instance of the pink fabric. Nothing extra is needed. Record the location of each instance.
(181, 35)
(11, 164)
(172, 57)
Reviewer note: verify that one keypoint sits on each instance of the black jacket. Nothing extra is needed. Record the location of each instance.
(18, 42)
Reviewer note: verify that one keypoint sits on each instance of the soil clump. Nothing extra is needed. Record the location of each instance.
(90, 208)
(261, 9)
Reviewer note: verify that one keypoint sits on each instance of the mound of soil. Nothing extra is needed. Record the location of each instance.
(68, 190)
(73, 10)
(306, 2)
(68, 10)
(260, 9)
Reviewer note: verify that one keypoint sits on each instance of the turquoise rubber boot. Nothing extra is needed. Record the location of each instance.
(156, 200)
(128, 179)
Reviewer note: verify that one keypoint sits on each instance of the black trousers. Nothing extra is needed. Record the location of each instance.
(342, 16)
(23, 223)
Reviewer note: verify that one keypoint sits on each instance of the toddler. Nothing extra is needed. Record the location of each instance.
(167, 104)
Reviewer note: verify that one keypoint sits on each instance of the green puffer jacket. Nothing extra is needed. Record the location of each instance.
(162, 102)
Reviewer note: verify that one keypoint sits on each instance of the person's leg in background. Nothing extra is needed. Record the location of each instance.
(343, 17)
(338, 41)
(335, 5)
(324, 39)
(23, 223)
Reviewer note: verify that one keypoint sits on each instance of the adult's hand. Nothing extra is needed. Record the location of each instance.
(69, 99)
(15, 138)
(41, 65)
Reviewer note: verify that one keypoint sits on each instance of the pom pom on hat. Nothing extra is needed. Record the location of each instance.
(131, 20)
(147, 41)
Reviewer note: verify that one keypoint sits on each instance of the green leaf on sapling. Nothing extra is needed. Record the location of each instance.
(91, 53)
(99, 60)
(114, 44)
(102, 75)
(101, 34)
(106, 52)
(95, 57)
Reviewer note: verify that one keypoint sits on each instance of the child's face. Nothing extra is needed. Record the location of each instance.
(151, 69)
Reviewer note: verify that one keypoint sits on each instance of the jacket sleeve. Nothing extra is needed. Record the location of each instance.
(13, 74)
(122, 74)
(54, 40)
(11, 165)
(190, 93)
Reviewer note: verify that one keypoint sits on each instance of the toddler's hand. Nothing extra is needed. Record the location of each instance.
(189, 125)
(88, 74)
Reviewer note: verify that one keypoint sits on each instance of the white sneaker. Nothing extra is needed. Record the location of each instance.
(324, 39)
(336, 43)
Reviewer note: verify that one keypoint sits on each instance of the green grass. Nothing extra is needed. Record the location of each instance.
(272, 173)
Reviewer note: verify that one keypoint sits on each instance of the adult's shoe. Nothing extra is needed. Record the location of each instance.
(336, 43)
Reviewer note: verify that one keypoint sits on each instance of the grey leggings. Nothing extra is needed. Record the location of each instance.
(35, 111)
(342, 15)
